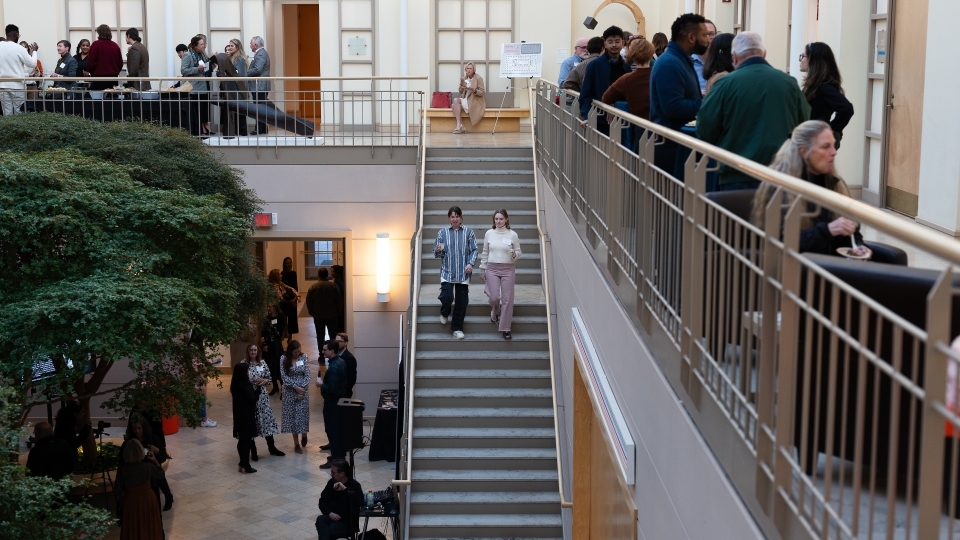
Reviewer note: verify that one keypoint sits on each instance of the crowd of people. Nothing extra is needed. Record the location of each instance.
(103, 61)
(720, 87)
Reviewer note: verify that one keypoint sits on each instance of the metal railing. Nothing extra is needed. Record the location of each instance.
(832, 398)
(405, 477)
(545, 277)
(228, 111)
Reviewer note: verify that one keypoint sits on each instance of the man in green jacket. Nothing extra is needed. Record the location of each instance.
(332, 388)
(751, 111)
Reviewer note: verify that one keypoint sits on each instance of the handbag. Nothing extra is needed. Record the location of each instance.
(289, 296)
(440, 100)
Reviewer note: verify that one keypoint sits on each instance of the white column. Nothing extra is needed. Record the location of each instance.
(168, 42)
(404, 63)
(688, 6)
(798, 35)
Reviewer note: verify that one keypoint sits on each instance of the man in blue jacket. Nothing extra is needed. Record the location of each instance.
(674, 89)
(601, 73)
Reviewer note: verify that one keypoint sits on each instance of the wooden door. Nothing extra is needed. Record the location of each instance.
(603, 507)
(905, 106)
(308, 33)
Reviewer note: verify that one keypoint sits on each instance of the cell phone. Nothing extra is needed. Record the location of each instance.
(146, 452)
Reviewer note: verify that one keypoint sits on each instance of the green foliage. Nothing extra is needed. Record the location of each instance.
(130, 242)
(111, 459)
(38, 508)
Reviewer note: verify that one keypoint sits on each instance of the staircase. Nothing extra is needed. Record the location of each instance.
(484, 461)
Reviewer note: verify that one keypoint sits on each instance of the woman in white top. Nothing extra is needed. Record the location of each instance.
(501, 249)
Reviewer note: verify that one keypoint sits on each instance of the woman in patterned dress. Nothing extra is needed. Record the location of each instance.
(266, 419)
(295, 415)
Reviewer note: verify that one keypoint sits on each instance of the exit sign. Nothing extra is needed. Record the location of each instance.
(265, 219)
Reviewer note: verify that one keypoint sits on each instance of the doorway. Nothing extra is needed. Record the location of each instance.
(301, 58)
(908, 37)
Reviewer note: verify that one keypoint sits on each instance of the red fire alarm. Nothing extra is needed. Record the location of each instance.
(265, 219)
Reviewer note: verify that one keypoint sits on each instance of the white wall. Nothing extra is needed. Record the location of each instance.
(939, 160)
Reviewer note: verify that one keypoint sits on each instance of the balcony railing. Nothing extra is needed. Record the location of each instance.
(229, 111)
(826, 386)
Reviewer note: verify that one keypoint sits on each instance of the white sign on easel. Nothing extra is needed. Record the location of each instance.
(521, 60)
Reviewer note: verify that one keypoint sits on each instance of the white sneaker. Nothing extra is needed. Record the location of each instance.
(459, 335)
(444, 319)
(208, 423)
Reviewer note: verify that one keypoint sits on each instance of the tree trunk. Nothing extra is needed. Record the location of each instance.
(86, 389)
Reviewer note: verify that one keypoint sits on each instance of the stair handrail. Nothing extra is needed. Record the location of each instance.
(416, 263)
(545, 280)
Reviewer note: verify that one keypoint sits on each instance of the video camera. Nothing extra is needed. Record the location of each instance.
(101, 425)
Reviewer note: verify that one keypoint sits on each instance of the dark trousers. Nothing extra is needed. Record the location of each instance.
(260, 98)
(331, 424)
(665, 157)
(332, 326)
(273, 361)
(328, 529)
(243, 448)
(457, 294)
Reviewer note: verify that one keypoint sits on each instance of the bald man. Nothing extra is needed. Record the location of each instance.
(579, 53)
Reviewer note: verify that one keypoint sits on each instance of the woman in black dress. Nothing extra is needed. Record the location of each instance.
(83, 49)
(822, 88)
(244, 413)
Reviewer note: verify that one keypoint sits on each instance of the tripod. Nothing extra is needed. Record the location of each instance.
(100, 467)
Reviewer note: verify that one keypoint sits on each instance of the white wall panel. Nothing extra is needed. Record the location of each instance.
(357, 14)
(475, 14)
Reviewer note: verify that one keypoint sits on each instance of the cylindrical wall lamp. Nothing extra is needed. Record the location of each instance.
(383, 267)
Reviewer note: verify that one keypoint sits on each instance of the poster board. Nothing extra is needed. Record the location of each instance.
(521, 60)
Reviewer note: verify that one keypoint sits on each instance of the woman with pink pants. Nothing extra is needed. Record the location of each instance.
(501, 249)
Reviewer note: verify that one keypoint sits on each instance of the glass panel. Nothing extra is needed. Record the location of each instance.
(317, 254)
(496, 40)
(501, 14)
(448, 14)
(448, 46)
(225, 14)
(354, 42)
(79, 11)
(474, 46)
(449, 75)
(105, 12)
(356, 14)
(475, 14)
(131, 14)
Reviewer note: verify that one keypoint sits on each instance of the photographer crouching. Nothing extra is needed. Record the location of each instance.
(340, 503)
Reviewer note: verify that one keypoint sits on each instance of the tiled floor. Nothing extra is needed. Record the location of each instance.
(213, 500)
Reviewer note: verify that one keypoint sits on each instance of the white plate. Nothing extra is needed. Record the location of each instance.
(845, 251)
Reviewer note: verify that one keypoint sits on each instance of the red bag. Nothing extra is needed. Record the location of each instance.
(440, 100)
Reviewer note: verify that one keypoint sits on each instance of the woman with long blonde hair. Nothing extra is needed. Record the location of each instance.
(809, 155)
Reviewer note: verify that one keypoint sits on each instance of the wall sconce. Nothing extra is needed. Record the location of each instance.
(383, 267)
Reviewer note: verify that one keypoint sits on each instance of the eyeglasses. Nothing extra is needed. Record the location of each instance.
(580, 47)
(802, 56)
(711, 35)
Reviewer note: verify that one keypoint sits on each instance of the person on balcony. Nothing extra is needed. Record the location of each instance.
(14, 62)
(471, 98)
(456, 245)
(259, 67)
(83, 52)
(737, 118)
(574, 79)
(138, 60)
(66, 66)
(195, 64)
(601, 73)
(105, 59)
(809, 154)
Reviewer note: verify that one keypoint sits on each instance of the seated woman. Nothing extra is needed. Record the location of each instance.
(471, 98)
(809, 154)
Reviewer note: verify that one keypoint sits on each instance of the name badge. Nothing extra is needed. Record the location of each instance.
(299, 363)
(273, 321)
(507, 242)
(63, 65)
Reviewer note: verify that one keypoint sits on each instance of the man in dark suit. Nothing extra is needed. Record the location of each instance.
(259, 67)
(50, 456)
(349, 360)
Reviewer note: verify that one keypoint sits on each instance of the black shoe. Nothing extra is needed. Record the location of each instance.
(327, 465)
(275, 452)
(325, 447)
(247, 469)
(168, 504)
(507, 336)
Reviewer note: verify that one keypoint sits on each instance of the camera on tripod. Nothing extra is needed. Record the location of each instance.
(101, 425)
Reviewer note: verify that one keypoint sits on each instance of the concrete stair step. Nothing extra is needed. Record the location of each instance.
(482, 336)
(467, 502)
(484, 458)
(439, 217)
(486, 163)
(486, 475)
(487, 525)
(490, 341)
(498, 360)
(522, 276)
(477, 172)
(471, 152)
(469, 188)
(482, 378)
(483, 355)
(481, 323)
(472, 438)
(482, 417)
(486, 203)
(483, 397)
